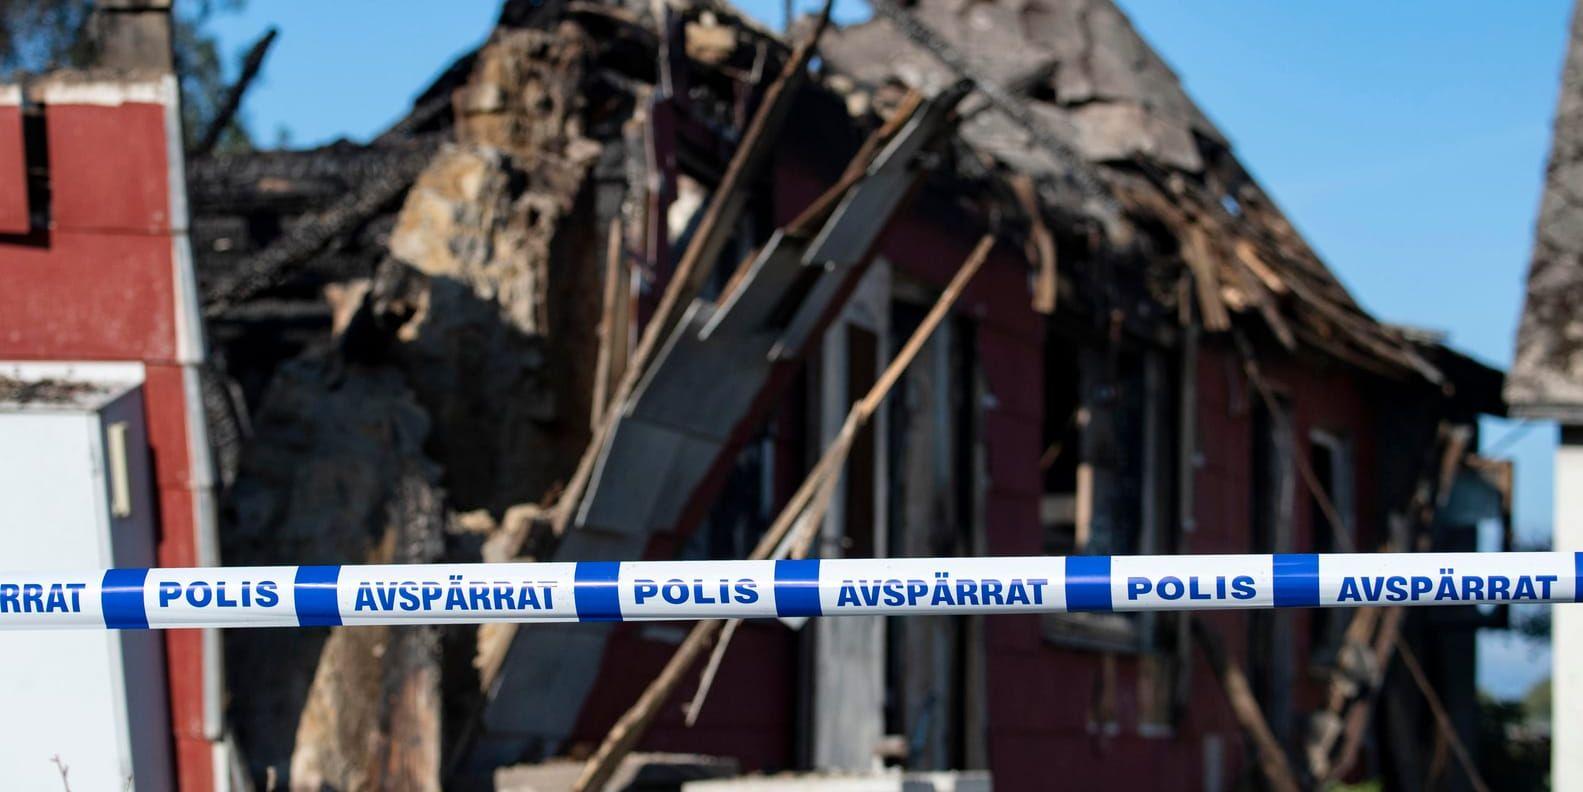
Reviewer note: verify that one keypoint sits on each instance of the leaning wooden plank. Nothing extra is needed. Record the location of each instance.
(815, 214)
(1245, 707)
(837, 254)
(1340, 532)
(251, 63)
(1442, 720)
(720, 219)
(1250, 258)
(731, 196)
(810, 219)
(613, 326)
(707, 681)
(1362, 711)
(1265, 301)
(636, 721)
(1041, 242)
(1206, 280)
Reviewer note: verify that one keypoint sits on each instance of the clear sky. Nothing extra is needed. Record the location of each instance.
(1406, 140)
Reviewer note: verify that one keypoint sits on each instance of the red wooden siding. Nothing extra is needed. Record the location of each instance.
(102, 286)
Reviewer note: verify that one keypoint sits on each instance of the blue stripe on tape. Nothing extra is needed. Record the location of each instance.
(598, 597)
(314, 591)
(1577, 577)
(797, 588)
(1296, 580)
(1088, 583)
(121, 599)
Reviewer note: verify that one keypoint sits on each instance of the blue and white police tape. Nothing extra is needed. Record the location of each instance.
(649, 590)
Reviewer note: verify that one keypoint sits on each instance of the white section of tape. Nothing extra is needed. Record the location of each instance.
(1188, 582)
(942, 585)
(1446, 578)
(452, 593)
(220, 597)
(697, 590)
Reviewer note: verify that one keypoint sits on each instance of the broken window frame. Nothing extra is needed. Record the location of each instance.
(1327, 626)
(938, 737)
(847, 660)
(38, 196)
(1272, 661)
(1099, 362)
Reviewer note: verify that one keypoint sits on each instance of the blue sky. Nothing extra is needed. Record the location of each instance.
(1406, 140)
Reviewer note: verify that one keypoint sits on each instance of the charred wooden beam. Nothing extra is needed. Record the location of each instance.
(270, 267)
(1448, 732)
(251, 64)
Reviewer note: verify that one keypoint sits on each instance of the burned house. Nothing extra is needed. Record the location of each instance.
(619, 283)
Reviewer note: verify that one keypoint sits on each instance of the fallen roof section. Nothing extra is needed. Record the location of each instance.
(681, 420)
(1087, 76)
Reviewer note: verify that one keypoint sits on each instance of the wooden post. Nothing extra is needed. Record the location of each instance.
(613, 325)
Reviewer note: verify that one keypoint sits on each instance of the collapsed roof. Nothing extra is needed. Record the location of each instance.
(1088, 77)
(268, 220)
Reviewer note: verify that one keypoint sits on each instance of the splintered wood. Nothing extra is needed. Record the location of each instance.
(1272, 758)
(717, 225)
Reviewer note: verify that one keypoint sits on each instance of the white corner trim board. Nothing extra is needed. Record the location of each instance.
(308, 596)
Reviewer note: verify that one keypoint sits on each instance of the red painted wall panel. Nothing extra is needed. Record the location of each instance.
(1011, 635)
(13, 173)
(165, 393)
(750, 711)
(88, 296)
(1012, 524)
(194, 763)
(108, 167)
(1013, 369)
(1010, 473)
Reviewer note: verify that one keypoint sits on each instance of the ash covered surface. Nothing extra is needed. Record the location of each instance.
(47, 391)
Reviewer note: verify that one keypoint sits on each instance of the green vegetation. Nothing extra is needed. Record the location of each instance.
(1514, 739)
